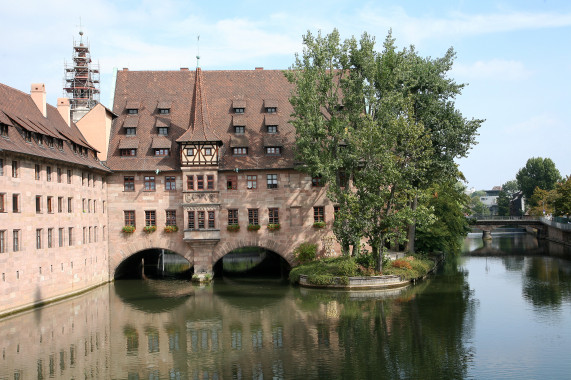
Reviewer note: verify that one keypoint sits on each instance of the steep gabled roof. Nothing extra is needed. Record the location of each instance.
(199, 129)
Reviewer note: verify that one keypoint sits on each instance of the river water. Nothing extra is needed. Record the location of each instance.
(502, 311)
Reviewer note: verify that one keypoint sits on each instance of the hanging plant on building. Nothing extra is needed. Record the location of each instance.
(149, 229)
(273, 227)
(233, 227)
(253, 227)
(171, 228)
(318, 224)
(128, 229)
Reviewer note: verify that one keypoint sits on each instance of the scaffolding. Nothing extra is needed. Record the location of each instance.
(81, 80)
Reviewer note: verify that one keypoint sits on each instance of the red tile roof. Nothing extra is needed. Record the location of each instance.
(20, 113)
(207, 105)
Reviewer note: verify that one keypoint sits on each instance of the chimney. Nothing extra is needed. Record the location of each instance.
(38, 93)
(64, 109)
(259, 68)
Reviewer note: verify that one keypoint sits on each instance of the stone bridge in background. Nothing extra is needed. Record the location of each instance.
(544, 227)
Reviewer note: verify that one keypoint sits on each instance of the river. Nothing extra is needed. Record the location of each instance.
(501, 311)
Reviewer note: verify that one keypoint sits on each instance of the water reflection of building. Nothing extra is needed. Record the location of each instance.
(63, 341)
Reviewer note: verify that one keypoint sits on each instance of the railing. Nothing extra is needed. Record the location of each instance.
(528, 218)
(553, 223)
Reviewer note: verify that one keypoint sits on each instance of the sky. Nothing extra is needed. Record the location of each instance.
(514, 55)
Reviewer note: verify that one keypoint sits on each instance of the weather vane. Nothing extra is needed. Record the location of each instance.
(198, 51)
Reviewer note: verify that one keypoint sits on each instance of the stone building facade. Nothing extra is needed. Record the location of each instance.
(53, 204)
(212, 153)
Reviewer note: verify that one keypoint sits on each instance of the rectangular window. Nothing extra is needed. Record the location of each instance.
(3, 130)
(50, 201)
(162, 152)
(150, 218)
(191, 220)
(319, 214)
(128, 183)
(149, 183)
(271, 109)
(38, 203)
(15, 202)
(60, 237)
(60, 204)
(201, 221)
(199, 182)
(37, 172)
(190, 182)
(316, 181)
(164, 111)
(273, 216)
(251, 182)
(89, 235)
(70, 236)
(240, 151)
(59, 175)
(211, 219)
(239, 110)
(239, 129)
(232, 217)
(162, 131)
(208, 151)
(253, 216)
(128, 152)
(272, 181)
(1, 167)
(129, 218)
(273, 150)
(69, 204)
(2, 202)
(272, 129)
(84, 240)
(231, 182)
(49, 173)
(170, 183)
(190, 152)
(171, 217)
(50, 237)
(39, 238)
(3, 241)
(83, 205)
(210, 182)
(95, 234)
(69, 176)
(131, 131)
(82, 179)
(15, 169)
(15, 240)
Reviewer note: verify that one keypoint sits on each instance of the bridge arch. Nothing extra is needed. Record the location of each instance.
(130, 245)
(282, 250)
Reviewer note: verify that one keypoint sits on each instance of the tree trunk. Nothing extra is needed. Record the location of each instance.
(411, 233)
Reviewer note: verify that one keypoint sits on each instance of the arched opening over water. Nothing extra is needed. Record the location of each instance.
(154, 264)
(252, 262)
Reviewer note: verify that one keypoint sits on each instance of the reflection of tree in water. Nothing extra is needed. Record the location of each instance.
(547, 281)
(419, 334)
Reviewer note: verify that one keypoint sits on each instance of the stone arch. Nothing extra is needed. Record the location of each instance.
(284, 251)
(134, 244)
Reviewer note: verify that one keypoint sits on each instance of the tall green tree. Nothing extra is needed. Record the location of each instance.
(562, 199)
(505, 197)
(386, 122)
(537, 172)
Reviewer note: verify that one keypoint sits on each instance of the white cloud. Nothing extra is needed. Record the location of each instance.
(496, 69)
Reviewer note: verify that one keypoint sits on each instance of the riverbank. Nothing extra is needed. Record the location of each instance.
(358, 273)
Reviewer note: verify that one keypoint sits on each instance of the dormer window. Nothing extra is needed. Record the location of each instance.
(162, 131)
(128, 152)
(272, 128)
(40, 139)
(132, 107)
(239, 129)
(239, 106)
(273, 150)
(27, 136)
(271, 109)
(60, 144)
(50, 141)
(240, 151)
(271, 106)
(130, 131)
(162, 152)
(132, 111)
(164, 107)
(3, 130)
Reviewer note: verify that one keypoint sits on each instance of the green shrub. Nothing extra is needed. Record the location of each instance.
(273, 227)
(128, 229)
(305, 252)
(233, 227)
(253, 227)
(171, 228)
(149, 229)
(318, 224)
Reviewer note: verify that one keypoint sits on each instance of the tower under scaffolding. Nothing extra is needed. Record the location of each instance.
(81, 80)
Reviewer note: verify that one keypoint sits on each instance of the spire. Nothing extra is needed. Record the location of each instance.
(199, 128)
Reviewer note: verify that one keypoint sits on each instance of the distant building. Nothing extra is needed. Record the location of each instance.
(491, 199)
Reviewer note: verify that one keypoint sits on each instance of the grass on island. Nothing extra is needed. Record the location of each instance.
(338, 270)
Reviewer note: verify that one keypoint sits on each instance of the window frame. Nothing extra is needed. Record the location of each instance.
(232, 216)
(273, 215)
(150, 218)
(170, 183)
(253, 216)
(231, 182)
(128, 183)
(272, 181)
(318, 214)
(150, 183)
